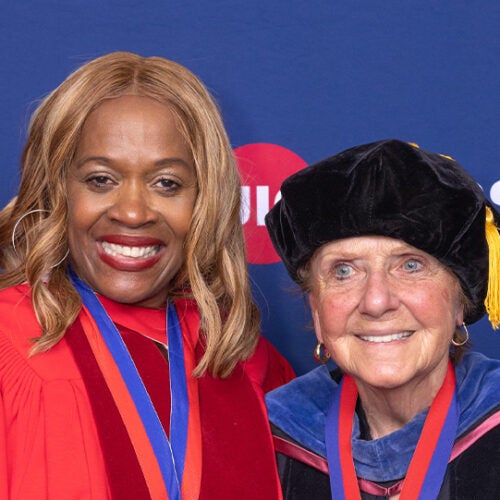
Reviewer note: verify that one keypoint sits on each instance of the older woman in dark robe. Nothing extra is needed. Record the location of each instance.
(398, 250)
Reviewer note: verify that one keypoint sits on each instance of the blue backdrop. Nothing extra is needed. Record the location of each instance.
(314, 77)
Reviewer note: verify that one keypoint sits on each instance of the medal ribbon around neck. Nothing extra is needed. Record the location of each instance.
(162, 461)
(430, 459)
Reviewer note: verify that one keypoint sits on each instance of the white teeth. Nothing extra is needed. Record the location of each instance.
(386, 338)
(126, 251)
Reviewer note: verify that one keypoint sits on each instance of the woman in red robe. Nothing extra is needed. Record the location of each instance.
(131, 364)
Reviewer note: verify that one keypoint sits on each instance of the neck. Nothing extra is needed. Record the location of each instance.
(388, 410)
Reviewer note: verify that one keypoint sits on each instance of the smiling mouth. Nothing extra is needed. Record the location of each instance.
(381, 339)
(135, 252)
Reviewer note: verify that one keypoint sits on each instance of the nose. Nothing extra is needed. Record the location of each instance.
(378, 296)
(131, 206)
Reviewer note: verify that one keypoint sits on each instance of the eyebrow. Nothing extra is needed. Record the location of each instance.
(90, 159)
(397, 251)
(164, 162)
(173, 161)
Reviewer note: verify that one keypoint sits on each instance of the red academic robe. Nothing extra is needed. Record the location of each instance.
(62, 438)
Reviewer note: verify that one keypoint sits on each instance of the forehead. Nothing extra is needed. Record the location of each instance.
(132, 120)
(367, 245)
(131, 106)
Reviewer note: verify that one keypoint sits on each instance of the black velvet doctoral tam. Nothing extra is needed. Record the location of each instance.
(388, 188)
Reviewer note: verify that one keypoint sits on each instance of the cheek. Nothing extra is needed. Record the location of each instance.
(179, 215)
(78, 208)
(339, 302)
(448, 297)
(435, 304)
(185, 220)
(333, 313)
(73, 223)
(179, 228)
(77, 219)
(80, 218)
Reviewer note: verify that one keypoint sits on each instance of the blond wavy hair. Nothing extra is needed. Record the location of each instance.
(215, 270)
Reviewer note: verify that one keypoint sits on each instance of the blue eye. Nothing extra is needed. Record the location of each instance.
(343, 271)
(412, 265)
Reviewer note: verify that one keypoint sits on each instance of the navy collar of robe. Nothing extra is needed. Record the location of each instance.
(299, 409)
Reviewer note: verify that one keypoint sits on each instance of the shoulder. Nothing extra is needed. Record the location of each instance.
(314, 388)
(15, 295)
(18, 327)
(299, 408)
(17, 317)
(478, 379)
(477, 364)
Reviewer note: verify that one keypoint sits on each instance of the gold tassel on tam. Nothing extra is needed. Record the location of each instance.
(492, 301)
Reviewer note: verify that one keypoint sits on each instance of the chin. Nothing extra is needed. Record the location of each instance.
(385, 379)
(127, 295)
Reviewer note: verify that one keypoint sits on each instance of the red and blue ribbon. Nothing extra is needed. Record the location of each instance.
(429, 462)
(136, 406)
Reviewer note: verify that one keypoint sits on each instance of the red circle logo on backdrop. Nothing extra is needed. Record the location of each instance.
(263, 167)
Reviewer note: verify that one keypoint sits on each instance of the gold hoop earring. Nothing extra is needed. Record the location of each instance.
(464, 341)
(13, 236)
(321, 355)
